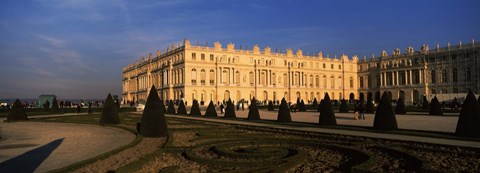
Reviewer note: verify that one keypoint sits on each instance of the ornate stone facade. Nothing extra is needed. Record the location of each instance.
(217, 73)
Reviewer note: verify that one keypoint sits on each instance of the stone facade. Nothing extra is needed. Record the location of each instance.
(217, 73)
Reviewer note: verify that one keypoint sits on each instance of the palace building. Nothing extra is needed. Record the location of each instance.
(217, 73)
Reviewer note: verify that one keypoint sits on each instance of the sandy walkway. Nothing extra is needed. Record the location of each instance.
(68, 143)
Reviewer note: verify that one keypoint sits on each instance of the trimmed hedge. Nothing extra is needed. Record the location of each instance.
(435, 107)
(384, 116)
(400, 108)
(253, 110)
(109, 112)
(468, 124)
(153, 122)
(211, 112)
(195, 110)
(284, 112)
(343, 106)
(230, 110)
(171, 107)
(327, 116)
(17, 112)
(182, 110)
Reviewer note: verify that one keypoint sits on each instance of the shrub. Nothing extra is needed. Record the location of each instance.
(400, 109)
(181, 108)
(314, 104)
(425, 104)
(230, 110)
(343, 106)
(17, 112)
(384, 116)
(211, 112)
(319, 107)
(195, 110)
(284, 112)
(109, 112)
(369, 105)
(435, 107)
(327, 116)
(171, 107)
(46, 105)
(302, 107)
(253, 110)
(153, 122)
(270, 105)
(469, 120)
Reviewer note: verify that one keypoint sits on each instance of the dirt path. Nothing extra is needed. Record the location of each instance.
(60, 144)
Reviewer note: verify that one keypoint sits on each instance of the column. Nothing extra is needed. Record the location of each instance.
(220, 74)
(270, 77)
(381, 79)
(393, 78)
(396, 74)
(385, 79)
(420, 75)
(410, 77)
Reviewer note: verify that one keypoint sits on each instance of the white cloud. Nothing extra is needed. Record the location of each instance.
(53, 41)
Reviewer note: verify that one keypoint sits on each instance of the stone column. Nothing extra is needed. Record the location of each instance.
(393, 78)
(396, 75)
(220, 74)
(420, 75)
(410, 76)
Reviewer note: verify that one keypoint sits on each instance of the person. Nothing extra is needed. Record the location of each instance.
(221, 109)
(361, 109)
(355, 111)
(243, 107)
(89, 107)
(238, 107)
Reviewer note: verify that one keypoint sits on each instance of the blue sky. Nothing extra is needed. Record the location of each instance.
(77, 48)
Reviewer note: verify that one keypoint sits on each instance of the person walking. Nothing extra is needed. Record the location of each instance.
(355, 111)
(362, 111)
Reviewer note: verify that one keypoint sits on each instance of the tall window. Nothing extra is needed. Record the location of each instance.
(274, 79)
(203, 76)
(211, 57)
(455, 75)
(194, 76)
(434, 76)
(444, 76)
(351, 82)
(332, 82)
(225, 77)
(311, 80)
(251, 78)
(194, 56)
(285, 79)
(361, 82)
(324, 81)
(237, 77)
(202, 56)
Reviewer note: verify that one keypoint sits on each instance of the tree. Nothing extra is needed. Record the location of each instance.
(327, 116)
(284, 112)
(314, 104)
(230, 110)
(400, 109)
(17, 112)
(171, 107)
(109, 112)
(468, 124)
(369, 106)
(384, 116)
(195, 110)
(270, 105)
(343, 106)
(211, 112)
(253, 110)
(55, 107)
(435, 107)
(425, 104)
(182, 110)
(302, 107)
(153, 122)
(46, 105)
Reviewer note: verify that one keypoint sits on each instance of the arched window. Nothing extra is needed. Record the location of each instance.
(211, 76)
(433, 76)
(225, 78)
(444, 76)
(311, 80)
(203, 76)
(324, 81)
(361, 82)
(317, 81)
(455, 75)
(285, 79)
(194, 77)
(332, 82)
(251, 78)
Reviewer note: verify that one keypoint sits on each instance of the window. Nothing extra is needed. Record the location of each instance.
(444, 76)
(351, 82)
(455, 75)
(251, 78)
(331, 66)
(194, 56)
(225, 76)
(237, 77)
(202, 56)
(361, 82)
(468, 74)
(203, 75)
(324, 66)
(274, 79)
(360, 68)
(211, 75)
(194, 77)
(211, 57)
(332, 81)
(285, 79)
(434, 76)
(339, 67)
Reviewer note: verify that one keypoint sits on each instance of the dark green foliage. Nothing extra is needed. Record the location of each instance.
(369, 105)
(270, 105)
(46, 105)
(284, 112)
(435, 107)
(230, 110)
(469, 120)
(195, 110)
(425, 104)
(171, 107)
(301, 107)
(211, 112)
(109, 112)
(117, 103)
(55, 107)
(343, 106)
(384, 116)
(319, 108)
(400, 109)
(253, 110)
(314, 104)
(153, 122)
(182, 110)
(17, 112)
(327, 116)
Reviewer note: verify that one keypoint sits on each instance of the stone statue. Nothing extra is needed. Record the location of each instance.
(425, 48)
(384, 53)
(158, 53)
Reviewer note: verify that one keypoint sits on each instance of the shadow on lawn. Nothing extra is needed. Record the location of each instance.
(29, 161)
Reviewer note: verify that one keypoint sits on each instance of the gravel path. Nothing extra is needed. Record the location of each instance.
(76, 142)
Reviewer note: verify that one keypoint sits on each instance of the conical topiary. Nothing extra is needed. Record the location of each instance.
(109, 112)
(211, 112)
(182, 110)
(369, 106)
(153, 122)
(319, 108)
(230, 110)
(17, 112)
(253, 110)
(435, 107)
(343, 106)
(327, 116)
(171, 107)
(314, 104)
(195, 110)
(400, 109)
(425, 104)
(55, 107)
(302, 107)
(469, 120)
(384, 116)
(270, 105)
(478, 100)
(284, 112)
